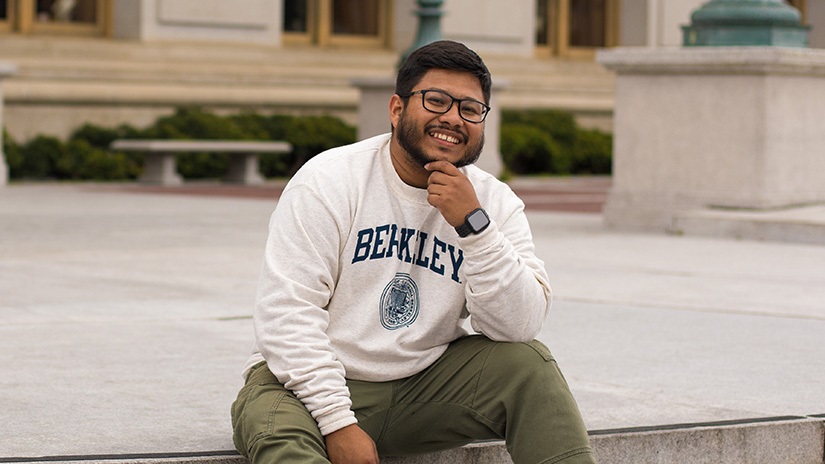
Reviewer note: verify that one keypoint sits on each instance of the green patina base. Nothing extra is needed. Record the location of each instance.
(746, 23)
(737, 35)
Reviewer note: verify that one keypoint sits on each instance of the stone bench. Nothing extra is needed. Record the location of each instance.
(160, 166)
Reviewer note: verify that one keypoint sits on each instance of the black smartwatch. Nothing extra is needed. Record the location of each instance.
(474, 223)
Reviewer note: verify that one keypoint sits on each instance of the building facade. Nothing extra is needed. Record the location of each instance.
(115, 61)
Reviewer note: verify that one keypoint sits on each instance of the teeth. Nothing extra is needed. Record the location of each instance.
(445, 137)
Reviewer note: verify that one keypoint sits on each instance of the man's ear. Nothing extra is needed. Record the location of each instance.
(396, 108)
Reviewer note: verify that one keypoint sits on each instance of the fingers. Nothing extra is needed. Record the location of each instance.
(450, 191)
(446, 179)
(442, 173)
(442, 166)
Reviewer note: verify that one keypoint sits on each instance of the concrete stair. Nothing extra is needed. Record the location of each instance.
(103, 75)
(80, 70)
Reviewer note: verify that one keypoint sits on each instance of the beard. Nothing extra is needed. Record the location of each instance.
(412, 141)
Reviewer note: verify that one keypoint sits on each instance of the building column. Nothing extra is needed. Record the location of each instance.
(6, 70)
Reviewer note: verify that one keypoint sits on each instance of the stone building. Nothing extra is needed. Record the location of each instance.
(113, 61)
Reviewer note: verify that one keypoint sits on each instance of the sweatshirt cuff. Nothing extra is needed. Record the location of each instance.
(336, 421)
(488, 238)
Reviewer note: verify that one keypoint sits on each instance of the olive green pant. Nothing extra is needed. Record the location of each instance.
(478, 389)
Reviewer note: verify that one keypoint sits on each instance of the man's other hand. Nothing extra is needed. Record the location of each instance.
(351, 445)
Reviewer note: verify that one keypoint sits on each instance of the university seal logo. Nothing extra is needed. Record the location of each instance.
(399, 302)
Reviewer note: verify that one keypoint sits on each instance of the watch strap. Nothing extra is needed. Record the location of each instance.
(466, 228)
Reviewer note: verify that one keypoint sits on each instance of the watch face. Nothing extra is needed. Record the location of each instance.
(478, 220)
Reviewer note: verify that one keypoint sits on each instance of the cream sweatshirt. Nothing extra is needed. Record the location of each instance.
(363, 279)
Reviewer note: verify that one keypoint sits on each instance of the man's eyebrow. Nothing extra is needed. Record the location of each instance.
(448, 93)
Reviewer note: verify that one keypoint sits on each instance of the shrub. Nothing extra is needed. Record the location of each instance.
(310, 135)
(92, 163)
(194, 123)
(532, 142)
(38, 159)
(276, 127)
(102, 137)
(257, 127)
(526, 149)
(562, 147)
(46, 157)
(560, 125)
(12, 151)
(592, 152)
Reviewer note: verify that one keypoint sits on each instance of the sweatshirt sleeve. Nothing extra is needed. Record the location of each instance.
(297, 280)
(507, 289)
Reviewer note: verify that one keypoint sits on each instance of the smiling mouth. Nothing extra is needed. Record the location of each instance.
(445, 138)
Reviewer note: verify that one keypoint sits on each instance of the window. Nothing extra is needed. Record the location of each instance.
(66, 12)
(575, 28)
(355, 17)
(296, 16)
(545, 20)
(336, 22)
(72, 17)
(588, 24)
(5, 15)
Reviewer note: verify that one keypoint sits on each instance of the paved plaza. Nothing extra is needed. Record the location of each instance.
(125, 321)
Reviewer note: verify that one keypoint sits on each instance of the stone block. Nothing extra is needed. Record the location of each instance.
(793, 441)
(725, 127)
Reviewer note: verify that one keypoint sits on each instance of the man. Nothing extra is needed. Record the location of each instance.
(377, 254)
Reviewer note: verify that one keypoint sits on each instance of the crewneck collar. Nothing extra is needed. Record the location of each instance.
(398, 186)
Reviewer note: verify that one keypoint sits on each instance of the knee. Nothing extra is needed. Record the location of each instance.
(520, 356)
(268, 420)
(251, 414)
(270, 424)
(530, 362)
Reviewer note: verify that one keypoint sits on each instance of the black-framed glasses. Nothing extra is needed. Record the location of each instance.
(438, 101)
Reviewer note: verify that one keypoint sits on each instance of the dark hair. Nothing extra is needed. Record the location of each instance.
(443, 54)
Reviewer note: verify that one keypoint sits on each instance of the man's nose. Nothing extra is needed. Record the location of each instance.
(452, 116)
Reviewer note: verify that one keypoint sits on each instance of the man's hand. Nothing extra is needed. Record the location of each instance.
(451, 192)
(351, 445)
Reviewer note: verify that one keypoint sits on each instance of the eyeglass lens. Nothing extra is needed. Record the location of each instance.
(441, 102)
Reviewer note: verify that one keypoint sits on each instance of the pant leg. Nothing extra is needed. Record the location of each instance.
(480, 389)
(272, 426)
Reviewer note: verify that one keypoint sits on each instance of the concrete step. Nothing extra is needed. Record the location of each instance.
(780, 440)
(48, 63)
(111, 72)
(803, 224)
(64, 82)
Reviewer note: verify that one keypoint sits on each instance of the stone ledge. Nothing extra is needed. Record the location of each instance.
(797, 440)
(720, 60)
(804, 224)
(763, 441)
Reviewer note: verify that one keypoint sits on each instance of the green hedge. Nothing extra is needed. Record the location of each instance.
(551, 142)
(45, 157)
(532, 142)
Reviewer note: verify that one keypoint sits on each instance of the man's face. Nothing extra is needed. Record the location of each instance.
(426, 136)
